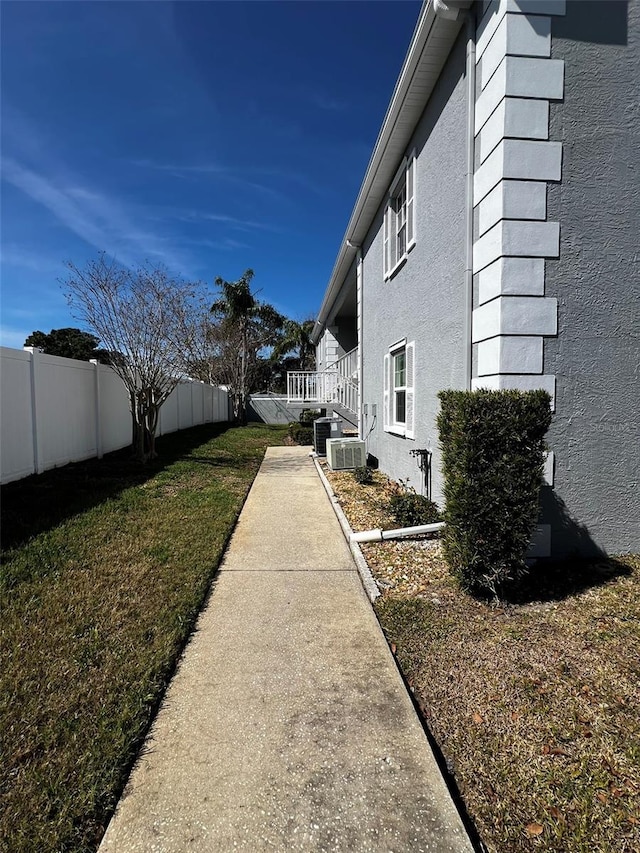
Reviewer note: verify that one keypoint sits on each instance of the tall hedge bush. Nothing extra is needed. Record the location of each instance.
(492, 458)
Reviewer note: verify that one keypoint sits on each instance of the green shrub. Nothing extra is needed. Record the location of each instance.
(308, 416)
(410, 509)
(300, 433)
(492, 459)
(363, 475)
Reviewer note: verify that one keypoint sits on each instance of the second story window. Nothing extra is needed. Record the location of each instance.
(399, 218)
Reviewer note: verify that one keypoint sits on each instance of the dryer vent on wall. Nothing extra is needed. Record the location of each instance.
(345, 453)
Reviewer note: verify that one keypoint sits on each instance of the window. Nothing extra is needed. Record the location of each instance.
(400, 387)
(399, 394)
(398, 229)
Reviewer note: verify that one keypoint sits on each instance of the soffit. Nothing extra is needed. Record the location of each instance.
(431, 44)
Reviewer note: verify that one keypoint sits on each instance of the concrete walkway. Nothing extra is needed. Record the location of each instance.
(286, 726)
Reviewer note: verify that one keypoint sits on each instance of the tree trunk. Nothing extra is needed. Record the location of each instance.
(153, 412)
(243, 377)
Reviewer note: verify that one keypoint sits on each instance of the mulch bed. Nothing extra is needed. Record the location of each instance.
(534, 703)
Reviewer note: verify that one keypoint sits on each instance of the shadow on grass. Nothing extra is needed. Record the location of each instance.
(223, 460)
(42, 501)
(555, 580)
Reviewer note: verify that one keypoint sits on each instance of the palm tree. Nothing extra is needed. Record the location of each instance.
(297, 339)
(248, 325)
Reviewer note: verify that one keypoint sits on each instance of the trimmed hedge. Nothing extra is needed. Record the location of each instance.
(492, 459)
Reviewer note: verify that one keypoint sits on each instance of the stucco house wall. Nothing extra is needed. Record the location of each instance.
(595, 432)
(424, 300)
(556, 288)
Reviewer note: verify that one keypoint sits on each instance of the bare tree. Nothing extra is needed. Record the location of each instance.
(201, 340)
(141, 314)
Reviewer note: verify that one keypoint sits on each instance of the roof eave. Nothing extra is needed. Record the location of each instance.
(431, 43)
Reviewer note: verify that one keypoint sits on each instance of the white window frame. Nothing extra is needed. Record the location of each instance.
(390, 424)
(399, 229)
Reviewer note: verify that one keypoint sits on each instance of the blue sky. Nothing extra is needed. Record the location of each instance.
(210, 136)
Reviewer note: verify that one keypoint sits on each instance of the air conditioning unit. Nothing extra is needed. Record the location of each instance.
(344, 453)
(324, 428)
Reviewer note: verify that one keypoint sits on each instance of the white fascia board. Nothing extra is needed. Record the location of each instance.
(511, 277)
(517, 35)
(515, 315)
(513, 200)
(520, 77)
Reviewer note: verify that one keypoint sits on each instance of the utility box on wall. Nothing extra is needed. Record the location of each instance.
(345, 453)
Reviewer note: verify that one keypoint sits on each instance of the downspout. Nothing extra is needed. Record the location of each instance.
(359, 285)
(453, 10)
(359, 311)
(380, 535)
(468, 270)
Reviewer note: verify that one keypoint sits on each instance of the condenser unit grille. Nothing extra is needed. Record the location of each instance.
(343, 453)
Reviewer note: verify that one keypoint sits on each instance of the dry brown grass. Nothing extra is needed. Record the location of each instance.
(535, 706)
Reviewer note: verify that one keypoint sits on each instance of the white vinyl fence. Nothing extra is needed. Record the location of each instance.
(57, 410)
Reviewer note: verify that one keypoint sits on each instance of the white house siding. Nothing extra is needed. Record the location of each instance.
(595, 433)
(424, 301)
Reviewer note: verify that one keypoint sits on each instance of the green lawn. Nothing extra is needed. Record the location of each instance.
(106, 565)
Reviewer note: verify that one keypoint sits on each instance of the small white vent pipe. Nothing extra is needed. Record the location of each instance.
(380, 535)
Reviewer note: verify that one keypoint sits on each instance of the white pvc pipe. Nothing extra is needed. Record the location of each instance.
(378, 535)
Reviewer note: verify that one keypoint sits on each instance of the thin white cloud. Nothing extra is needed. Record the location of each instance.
(91, 215)
(213, 170)
(326, 102)
(181, 169)
(224, 244)
(245, 178)
(223, 218)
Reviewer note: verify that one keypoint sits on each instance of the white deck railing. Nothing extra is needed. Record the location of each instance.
(347, 366)
(321, 388)
(339, 385)
(310, 386)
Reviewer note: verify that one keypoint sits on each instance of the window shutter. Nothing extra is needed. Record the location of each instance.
(411, 172)
(410, 413)
(386, 402)
(393, 241)
(385, 241)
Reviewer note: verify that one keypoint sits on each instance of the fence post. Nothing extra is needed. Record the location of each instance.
(98, 409)
(35, 353)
